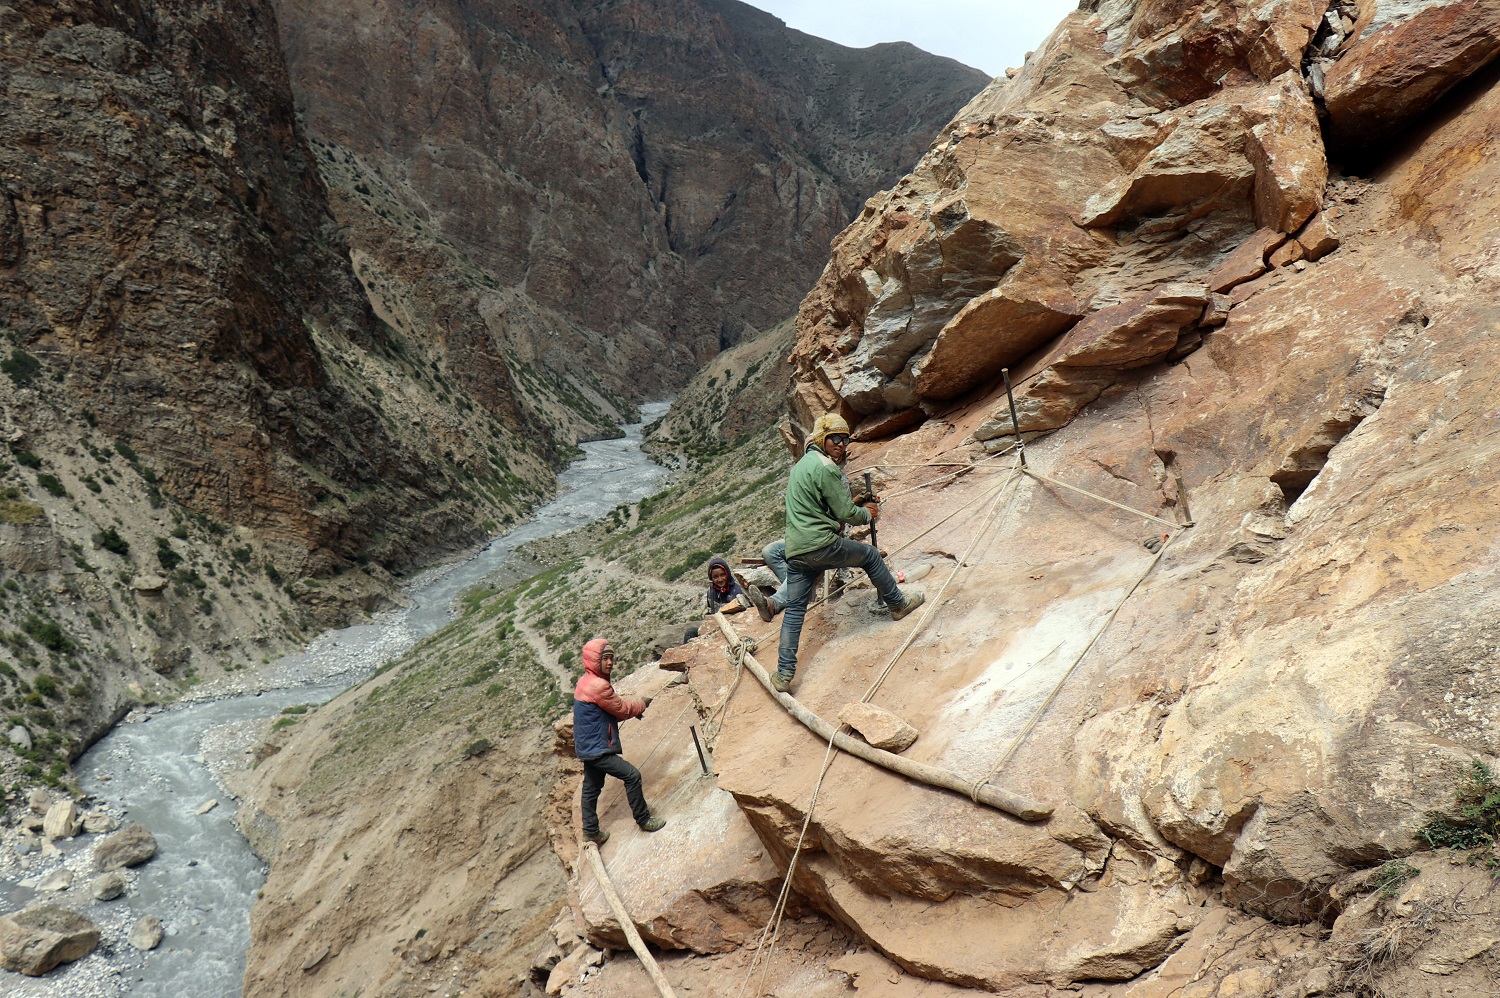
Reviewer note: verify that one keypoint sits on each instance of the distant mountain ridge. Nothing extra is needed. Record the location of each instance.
(627, 182)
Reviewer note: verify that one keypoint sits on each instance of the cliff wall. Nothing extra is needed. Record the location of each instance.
(1252, 738)
(1240, 263)
(498, 166)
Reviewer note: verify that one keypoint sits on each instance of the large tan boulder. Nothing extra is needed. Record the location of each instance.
(1059, 195)
(130, 846)
(38, 939)
(63, 820)
(994, 330)
(1407, 55)
(1094, 354)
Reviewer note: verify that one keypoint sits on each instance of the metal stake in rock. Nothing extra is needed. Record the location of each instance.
(1015, 423)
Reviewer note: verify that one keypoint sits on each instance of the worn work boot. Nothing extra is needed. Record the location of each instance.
(653, 825)
(780, 683)
(599, 839)
(762, 604)
(911, 601)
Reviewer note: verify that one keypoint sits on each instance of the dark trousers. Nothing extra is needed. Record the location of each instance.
(594, 771)
(803, 575)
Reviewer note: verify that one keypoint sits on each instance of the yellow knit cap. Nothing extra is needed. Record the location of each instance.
(829, 422)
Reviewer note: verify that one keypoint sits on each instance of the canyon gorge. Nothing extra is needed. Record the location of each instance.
(1170, 350)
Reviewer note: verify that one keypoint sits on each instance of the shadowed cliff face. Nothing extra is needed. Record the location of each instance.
(172, 259)
(612, 191)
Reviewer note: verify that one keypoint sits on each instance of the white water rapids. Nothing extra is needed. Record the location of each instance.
(151, 768)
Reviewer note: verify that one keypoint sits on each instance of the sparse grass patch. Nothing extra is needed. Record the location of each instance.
(1478, 823)
(20, 512)
(1391, 879)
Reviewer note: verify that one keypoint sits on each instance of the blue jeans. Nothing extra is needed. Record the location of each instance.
(774, 555)
(803, 575)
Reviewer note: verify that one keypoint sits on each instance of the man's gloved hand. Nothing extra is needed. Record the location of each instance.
(1154, 542)
(646, 701)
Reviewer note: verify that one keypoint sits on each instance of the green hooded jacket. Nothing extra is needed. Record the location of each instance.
(817, 501)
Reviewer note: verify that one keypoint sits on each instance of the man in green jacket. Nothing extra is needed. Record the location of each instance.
(817, 502)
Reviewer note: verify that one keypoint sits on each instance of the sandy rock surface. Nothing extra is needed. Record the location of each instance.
(1234, 729)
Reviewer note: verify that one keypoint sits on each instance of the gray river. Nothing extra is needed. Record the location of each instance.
(152, 769)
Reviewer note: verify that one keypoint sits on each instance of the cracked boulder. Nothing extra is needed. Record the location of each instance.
(1406, 56)
(1079, 185)
(1093, 355)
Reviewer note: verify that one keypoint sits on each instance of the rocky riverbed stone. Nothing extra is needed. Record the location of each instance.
(130, 846)
(146, 934)
(108, 886)
(38, 939)
(100, 822)
(63, 820)
(20, 737)
(38, 800)
(59, 879)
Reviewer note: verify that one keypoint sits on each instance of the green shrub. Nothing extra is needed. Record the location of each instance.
(1390, 880)
(22, 367)
(165, 556)
(110, 540)
(47, 634)
(51, 483)
(1478, 824)
(478, 746)
(46, 686)
(26, 458)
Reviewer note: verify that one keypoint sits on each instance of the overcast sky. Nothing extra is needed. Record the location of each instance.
(986, 34)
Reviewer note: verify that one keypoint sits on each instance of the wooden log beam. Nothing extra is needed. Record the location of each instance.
(1003, 800)
(637, 944)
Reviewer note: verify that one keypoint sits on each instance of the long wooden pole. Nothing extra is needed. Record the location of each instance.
(637, 944)
(1011, 803)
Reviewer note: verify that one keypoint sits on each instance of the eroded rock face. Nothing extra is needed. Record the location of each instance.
(566, 146)
(168, 240)
(1404, 58)
(1089, 187)
(1303, 677)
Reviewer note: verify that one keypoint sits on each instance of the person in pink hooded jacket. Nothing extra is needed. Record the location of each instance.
(597, 713)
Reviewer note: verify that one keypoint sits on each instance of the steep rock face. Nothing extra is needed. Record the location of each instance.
(1078, 185)
(190, 389)
(1236, 732)
(170, 250)
(498, 166)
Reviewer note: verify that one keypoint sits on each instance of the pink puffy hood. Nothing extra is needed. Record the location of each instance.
(593, 654)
